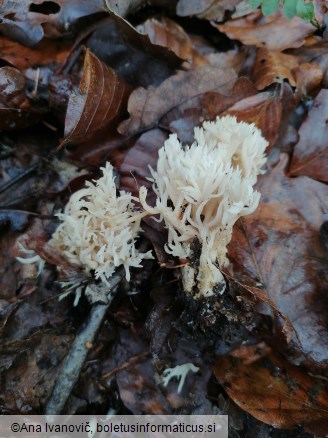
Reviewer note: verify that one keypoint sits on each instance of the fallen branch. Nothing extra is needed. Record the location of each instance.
(76, 357)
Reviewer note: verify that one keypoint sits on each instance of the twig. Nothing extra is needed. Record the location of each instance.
(76, 357)
(132, 360)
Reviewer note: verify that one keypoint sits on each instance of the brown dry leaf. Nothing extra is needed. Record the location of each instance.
(101, 98)
(279, 246)
(274, 32)
(209, 107)
(23, 57)
(310, 157)
(206, 9)
(15, 109)
(265, 385)
(271, 66)
(308, 77)
(168, 33)
(216, 103)
(315, 51)
(148, 106)
(265, 110)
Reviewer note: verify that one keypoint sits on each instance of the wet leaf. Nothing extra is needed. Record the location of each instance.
(101, 97)
(310, 157)
(28, 21)
(308, 78)
(268, 387)
(265, 110)
(271, 66)
(148, 106)
(15, 108)
(206, 9)
(125, 7)
(130, 53)
(134, 169)
(23, 57)
(279, 246)
(136, 380)
(315, 52)
(269, 32)
(167, 33)
(211, 105)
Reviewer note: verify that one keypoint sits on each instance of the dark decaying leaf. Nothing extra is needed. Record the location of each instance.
(148, 106)
(310, 157)
(268, 387)
(279, 245)
(133, 55)
(105, 146)
(101, 97)
(15, 109)
(28, 21)
(269, 32)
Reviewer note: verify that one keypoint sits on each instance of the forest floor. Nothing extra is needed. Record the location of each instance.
(83, 83)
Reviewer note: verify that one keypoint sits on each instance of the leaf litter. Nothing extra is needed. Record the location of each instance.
(110, 85)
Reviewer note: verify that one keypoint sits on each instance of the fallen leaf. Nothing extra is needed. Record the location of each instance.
(134, 169)
(279, 247)
(125, 7)
(28, 21)
(148, 106)
(211, 105)
(101, 97)
(271, 66)
(215, 103)
(206, 9)
(136, 380)
(23, 57)
(308, 77)
(265, 110)
(310, 156)
(168, 33)
(268, 387)
(106, 146)
(130, 53)
(15, 109)
(269, 32)
(315, 51)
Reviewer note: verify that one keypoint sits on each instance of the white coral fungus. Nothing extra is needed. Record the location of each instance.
(180, 372)
(99, 229)
(203, 189)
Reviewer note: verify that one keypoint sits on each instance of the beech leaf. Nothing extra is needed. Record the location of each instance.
(148, 106)
(269, 32)
(313, 161)
(272, 66)
(280, 246)
(101, 96)
(268, 387)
